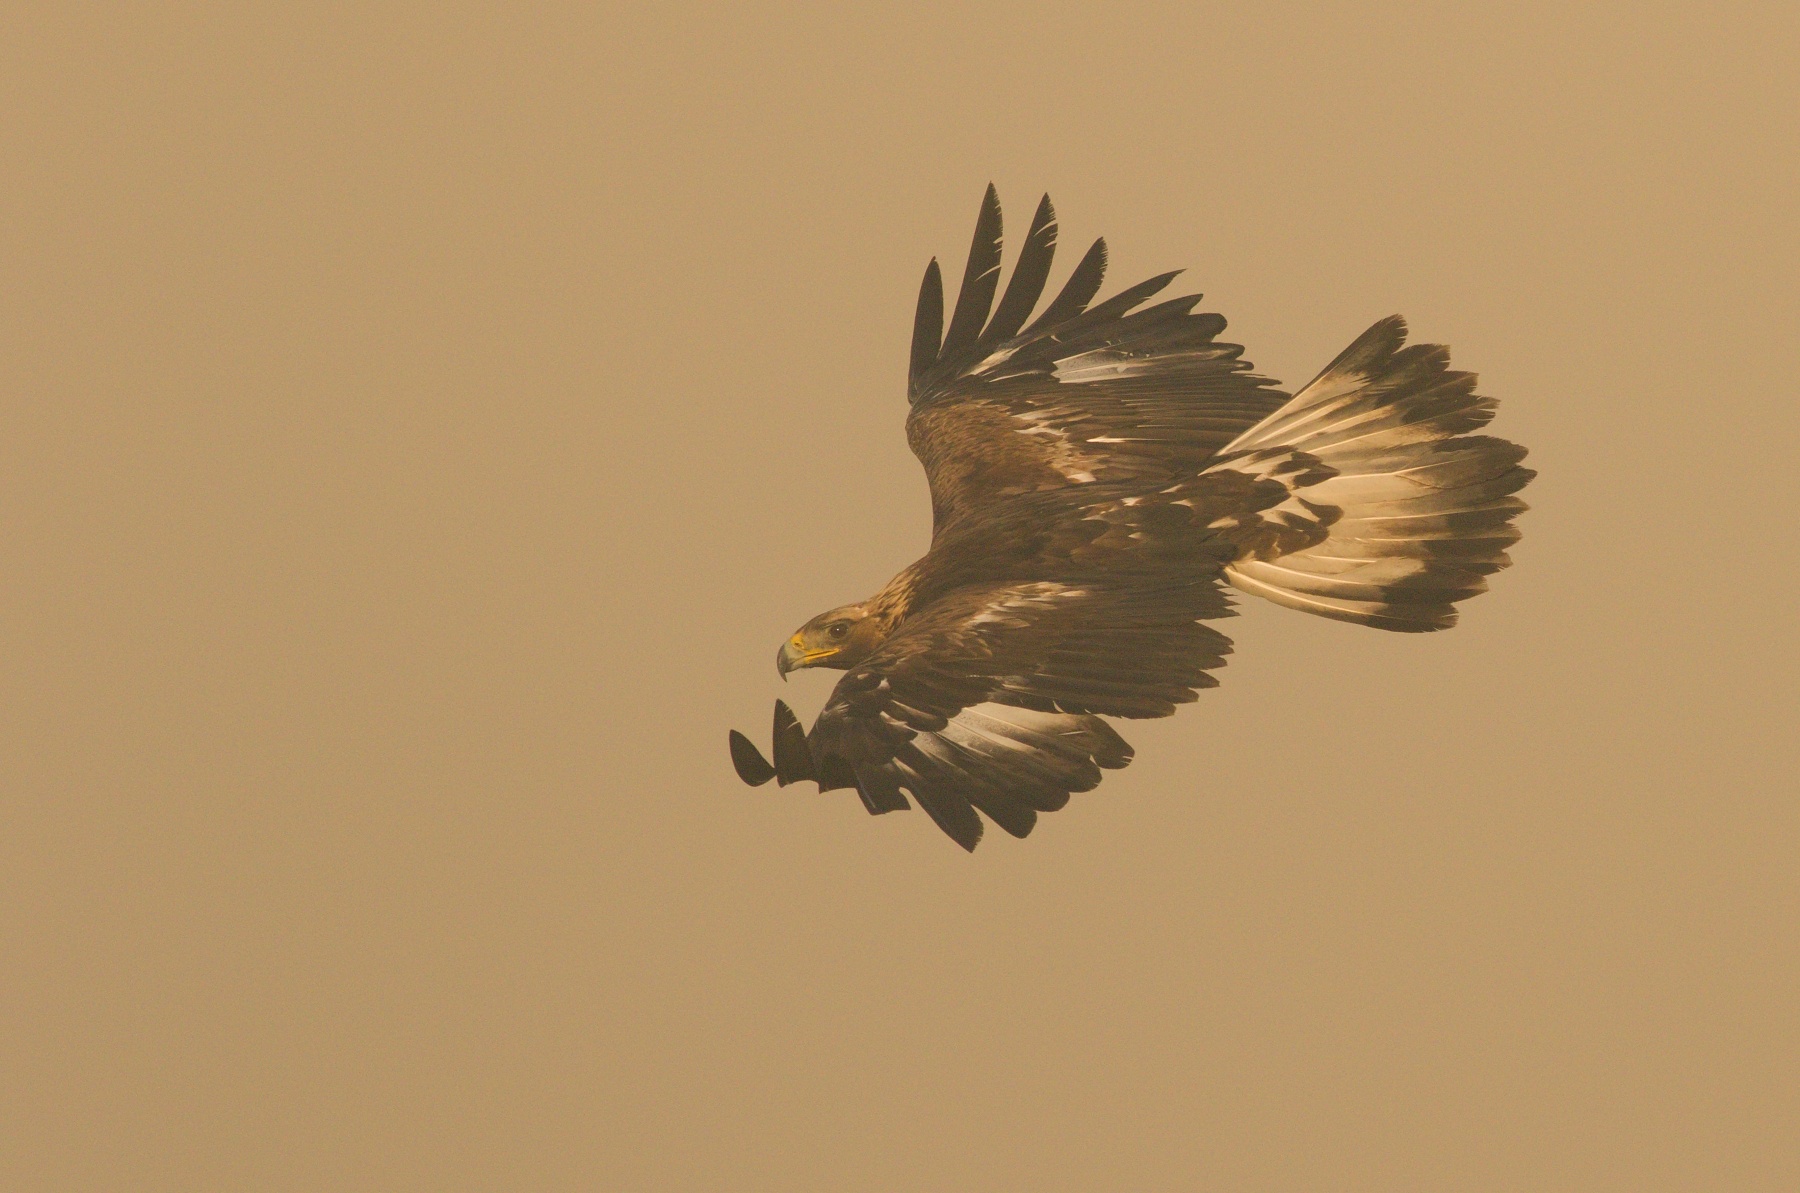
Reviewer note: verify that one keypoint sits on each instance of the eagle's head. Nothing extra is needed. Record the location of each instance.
(839, 638)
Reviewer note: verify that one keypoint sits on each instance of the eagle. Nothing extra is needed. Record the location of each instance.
(1098, 476)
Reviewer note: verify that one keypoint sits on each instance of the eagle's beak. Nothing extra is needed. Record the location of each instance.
(792, 655)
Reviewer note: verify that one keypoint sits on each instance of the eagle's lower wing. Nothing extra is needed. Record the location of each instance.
(1083, 394)
(990, 698)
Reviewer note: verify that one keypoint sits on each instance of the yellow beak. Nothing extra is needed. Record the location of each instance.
(792, 654)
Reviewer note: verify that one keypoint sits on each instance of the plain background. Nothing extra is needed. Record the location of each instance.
(422, 426)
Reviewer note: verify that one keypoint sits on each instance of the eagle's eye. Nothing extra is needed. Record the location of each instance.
(837, 629)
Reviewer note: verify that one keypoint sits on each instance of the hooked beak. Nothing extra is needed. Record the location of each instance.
(792, 655)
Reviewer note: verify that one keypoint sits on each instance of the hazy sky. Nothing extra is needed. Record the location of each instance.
(422, 429)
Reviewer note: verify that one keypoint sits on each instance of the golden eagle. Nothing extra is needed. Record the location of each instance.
(1095, 474)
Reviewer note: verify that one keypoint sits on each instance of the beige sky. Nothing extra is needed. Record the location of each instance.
(423, 428)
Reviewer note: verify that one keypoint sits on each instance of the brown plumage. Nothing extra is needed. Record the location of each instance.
(1094, 477)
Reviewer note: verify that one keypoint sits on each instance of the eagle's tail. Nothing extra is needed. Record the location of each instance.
(1423, 509)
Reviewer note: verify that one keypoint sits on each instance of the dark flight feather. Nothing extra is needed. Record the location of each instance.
(751, 766)
(793, 761)
(1116, 306)
(928, 326)
(1030, 273)
(1082, 285)
(981, 277)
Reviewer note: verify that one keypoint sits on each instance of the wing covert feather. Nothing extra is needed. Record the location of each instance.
(1084, 394)
(991, 698)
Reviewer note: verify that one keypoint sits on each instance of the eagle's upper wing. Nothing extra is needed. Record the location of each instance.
(988, 698)
(1082, 394)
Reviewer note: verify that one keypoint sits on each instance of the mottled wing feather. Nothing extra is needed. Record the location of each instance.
(990, 698)
(1082, 395)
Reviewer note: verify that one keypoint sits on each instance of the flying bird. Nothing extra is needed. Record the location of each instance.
(1098, 474)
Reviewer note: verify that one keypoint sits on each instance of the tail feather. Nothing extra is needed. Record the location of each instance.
(1424, 509)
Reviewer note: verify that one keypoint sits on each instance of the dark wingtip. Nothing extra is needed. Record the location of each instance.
(1115, 752)
(960, 824)
(928, 327)
(1081, 287)
(981, 276)
(1029, 274)
(793, 760)
(751, 766)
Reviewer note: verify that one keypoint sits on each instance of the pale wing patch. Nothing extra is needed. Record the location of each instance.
(1023, 732)
(1022, 599)
(1102, 364)
(1113, 364)
(1051, 422)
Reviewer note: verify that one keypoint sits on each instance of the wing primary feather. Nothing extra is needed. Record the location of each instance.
(793, 760)
(980, 278)
(955, 815)
(1082, 285)
(1125, 299)
(1029, 274)
(928, 328)
(751, 766)
(879, 788)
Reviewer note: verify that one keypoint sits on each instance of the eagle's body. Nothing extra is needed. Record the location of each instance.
(1095, 477)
